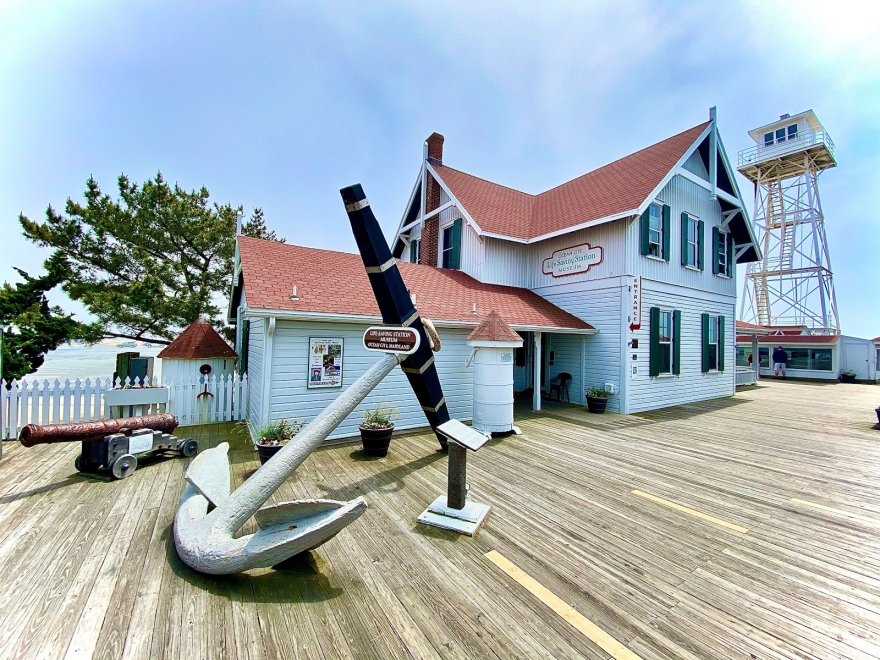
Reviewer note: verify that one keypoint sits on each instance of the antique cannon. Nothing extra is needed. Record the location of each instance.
(113, 444)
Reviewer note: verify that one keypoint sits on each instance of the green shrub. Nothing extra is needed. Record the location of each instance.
(380, 417)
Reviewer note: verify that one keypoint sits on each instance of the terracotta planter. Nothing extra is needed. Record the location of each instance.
(376, 441)
(597, 404)
(267, 451)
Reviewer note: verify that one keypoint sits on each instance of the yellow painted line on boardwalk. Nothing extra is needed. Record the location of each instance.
(692, 512)
(571, 616)
(831, 509)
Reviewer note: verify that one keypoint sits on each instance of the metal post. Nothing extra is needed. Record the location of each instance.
(756, 360)
(456, 491)
(536, 376)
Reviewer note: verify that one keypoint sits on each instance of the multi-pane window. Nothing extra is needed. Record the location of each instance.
(820, 359)
(446, 254)
(666, 339)
(723, 256)
(712, 344)
(780, 135)
(655, 231)
(764, 357)
(692, 242)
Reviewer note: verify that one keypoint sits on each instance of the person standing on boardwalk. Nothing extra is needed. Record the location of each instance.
(780, 358)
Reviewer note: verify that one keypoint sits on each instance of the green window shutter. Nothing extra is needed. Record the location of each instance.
(654, 358)
(676, 342)
(243, 349)
(644, 225)
(413, 257)
(455, 255)
(720, 343)
(715, 241)
(701, 231)
(667, 231)
(729, 238)
(684, 239)
(705, 342)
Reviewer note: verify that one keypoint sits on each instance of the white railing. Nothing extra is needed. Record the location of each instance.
(745, 376)
(804, 140)
(223, 399)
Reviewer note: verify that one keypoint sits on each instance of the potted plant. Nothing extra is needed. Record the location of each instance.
(597, 399)
(272, 437)
(376, 429)
(848, 376)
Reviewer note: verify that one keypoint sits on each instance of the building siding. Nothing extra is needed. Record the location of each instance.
(611, 236)
(290, 397)
(694, 165)
(568, 352)
(647, 393)
(684, 195)
(599, 305)
(256, 344)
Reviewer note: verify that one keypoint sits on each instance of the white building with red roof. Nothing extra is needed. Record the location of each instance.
(623, 276)
(645, 249)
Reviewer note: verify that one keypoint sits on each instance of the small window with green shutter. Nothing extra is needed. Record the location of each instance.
(691, 241)
(450, 254)
(243, 349)
(654, 231)
(722, 253)
(713, 343)
(414, 251)
(665, 346)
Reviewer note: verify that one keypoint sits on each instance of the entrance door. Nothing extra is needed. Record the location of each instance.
(858, 359)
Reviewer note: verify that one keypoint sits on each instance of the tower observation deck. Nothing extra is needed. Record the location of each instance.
(792, 285)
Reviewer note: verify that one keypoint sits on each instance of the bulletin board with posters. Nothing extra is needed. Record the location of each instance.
(325, 362)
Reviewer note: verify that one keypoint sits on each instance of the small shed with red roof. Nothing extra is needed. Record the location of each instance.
(197, 351)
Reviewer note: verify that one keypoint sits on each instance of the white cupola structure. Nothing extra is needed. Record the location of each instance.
(197, 352)
(493, 343)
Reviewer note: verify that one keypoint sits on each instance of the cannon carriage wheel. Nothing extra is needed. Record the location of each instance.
(189, 448)
(124, 466)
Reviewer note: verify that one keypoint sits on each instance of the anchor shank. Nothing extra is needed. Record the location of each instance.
(246, 500)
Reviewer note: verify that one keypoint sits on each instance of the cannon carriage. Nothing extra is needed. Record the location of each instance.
(114, 445)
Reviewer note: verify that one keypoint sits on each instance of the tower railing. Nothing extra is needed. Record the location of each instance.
(804, 140)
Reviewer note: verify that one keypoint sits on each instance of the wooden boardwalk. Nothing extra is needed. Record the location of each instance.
(743, 527)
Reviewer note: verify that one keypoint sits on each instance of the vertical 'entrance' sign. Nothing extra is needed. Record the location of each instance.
(635, 305)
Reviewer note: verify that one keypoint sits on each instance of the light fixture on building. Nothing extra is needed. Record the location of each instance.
(294, 295)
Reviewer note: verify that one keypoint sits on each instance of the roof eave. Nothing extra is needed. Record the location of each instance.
(293, 315)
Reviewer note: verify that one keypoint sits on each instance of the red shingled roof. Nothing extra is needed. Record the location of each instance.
(199, 341)
(493, 328)
(615, 188)
(336, 283)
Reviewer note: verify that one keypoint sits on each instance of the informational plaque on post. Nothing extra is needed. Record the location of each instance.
(391, 340)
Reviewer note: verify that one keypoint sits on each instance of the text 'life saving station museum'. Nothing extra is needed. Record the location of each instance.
(624, 276)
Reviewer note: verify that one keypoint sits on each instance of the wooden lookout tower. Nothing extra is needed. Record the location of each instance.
(792, 285)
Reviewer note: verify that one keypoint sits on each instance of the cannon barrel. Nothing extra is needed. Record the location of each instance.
(39, 434)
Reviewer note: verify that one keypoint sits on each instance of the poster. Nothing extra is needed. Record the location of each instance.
(325, 362)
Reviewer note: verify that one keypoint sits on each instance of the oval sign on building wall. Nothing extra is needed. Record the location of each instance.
(572, 260)
(391, 340)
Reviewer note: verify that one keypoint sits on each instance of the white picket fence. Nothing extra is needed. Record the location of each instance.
(82, 400)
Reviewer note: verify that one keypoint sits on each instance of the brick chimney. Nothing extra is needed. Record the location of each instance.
(429, 245)
(435, 149)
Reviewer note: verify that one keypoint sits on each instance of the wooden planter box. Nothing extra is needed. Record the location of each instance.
(136, 396)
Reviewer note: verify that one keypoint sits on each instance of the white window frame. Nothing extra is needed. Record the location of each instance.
(693, 232)
(659, 231)
(671, 341)
(714, 329)
(444, 248)
(723, 256)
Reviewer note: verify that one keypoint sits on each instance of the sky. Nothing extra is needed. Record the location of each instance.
(280, 104)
